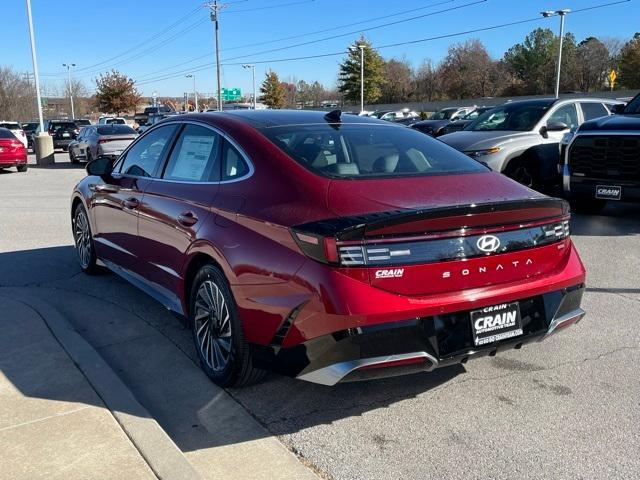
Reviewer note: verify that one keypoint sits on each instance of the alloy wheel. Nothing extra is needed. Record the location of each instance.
(212, 323)
(82, 236)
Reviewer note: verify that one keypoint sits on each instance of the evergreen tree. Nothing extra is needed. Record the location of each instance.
(273, 93)
(349, 78)
(629, 61)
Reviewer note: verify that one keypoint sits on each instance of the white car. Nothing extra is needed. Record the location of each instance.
(17, 130)
(111, 121)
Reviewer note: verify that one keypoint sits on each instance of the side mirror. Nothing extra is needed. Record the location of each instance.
(557, 127)
(553, 127)
(101, 167)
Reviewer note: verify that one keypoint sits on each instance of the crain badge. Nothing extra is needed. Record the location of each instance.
(392, 273)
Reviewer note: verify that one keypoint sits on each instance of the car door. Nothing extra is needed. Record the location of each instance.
(548, 152)
(115, 201)
(177, 205)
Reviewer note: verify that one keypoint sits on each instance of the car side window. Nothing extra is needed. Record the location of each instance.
(591, 110)
(234, 165)
(566, 114)
(196, 156)
(145, 156)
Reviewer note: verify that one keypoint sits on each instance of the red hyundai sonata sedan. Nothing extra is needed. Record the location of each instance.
(327, 247)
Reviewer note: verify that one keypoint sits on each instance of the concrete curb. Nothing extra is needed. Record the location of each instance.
(163, 456)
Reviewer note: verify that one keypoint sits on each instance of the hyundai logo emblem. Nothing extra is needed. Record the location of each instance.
(488, 243)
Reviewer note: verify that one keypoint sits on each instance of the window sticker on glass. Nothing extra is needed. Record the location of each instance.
(193, 157)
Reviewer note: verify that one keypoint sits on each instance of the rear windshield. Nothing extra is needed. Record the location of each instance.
(82, 122)
(55, 126)
(115, 121)
(4, 133)
(30, 127)
(10, 125)
(115, 129)
(368, 151)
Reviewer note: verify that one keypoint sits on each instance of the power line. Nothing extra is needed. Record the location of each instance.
(368, 29)
(396, 22)
(391, 45)
(271, 7)
(339, 27)
(144, 42)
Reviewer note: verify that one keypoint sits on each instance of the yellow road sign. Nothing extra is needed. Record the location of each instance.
(612, 77)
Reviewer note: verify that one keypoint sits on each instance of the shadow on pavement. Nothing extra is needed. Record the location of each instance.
(153, 354)
(617, 219)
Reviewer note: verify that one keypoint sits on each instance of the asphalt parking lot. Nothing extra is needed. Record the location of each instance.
(565, 408)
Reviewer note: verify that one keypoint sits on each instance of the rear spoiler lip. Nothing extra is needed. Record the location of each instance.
(355, 227)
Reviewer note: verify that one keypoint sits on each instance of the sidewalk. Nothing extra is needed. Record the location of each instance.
(158, 417)
(52, 422)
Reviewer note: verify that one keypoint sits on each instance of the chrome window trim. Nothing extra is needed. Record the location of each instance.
(223, 134)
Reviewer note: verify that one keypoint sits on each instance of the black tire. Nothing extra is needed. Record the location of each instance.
(522, 172)
(22, 168)
(89, 156)
(83, 239)
(588, 206)
(217, 332)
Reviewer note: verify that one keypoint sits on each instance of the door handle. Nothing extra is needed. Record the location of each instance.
(188, 219)
(102, 188)
(131, 203)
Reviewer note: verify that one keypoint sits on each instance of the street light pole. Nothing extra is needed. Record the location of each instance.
(561, 14)
(361, 47)
(195, 93)
(69, 65)
(253, 78)
(36, 75)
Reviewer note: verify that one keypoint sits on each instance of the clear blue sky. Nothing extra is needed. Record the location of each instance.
(90, 33)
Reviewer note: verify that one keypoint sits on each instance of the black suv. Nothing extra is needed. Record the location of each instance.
(601, 160)
(63, 132)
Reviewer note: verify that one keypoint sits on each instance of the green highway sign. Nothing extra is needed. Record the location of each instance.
(231, 94)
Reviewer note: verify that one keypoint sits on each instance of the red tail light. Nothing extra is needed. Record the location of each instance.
(322, 249)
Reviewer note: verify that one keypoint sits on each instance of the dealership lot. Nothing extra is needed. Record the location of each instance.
(565, 408)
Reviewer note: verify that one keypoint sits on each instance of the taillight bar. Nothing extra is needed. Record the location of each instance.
(408, 252)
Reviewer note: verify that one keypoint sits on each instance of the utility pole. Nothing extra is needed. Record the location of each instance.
(361, 46)
(36, 75)
(195, 93)
(253, 76)
(215, 8)
(69, 65)
(561, 14)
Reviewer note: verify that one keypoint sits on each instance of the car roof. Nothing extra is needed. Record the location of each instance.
(276, 118)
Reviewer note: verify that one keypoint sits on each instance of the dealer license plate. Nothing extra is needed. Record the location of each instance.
(495, 323)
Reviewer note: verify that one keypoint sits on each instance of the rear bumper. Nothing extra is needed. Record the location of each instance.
(12, 161)
(417, 344)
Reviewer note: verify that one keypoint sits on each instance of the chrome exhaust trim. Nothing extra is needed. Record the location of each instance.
(569, 318)
(332, 374)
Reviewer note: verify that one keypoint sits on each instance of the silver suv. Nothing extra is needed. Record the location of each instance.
(521, 139)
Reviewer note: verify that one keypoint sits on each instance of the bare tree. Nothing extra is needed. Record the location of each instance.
(398, 86)
(427, 82)
(17, 96)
